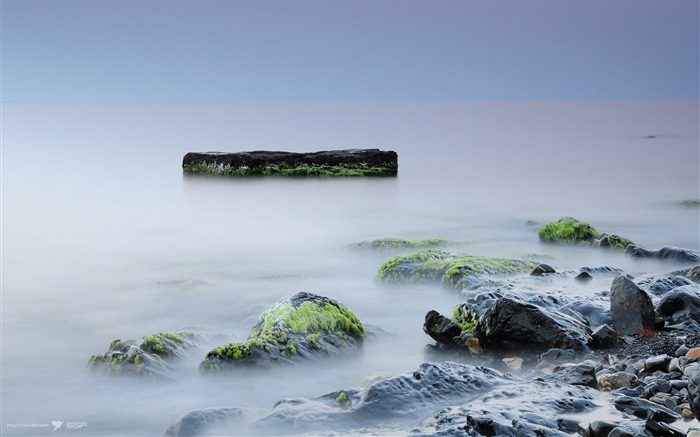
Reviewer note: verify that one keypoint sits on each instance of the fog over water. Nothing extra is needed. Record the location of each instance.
(104, 238)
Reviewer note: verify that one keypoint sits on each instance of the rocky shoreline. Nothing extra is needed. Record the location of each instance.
(621, 361)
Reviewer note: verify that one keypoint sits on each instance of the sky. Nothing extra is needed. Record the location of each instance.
(329, 51)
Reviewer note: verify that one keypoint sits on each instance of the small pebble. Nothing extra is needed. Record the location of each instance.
(682, 350)
(687, 414)
(693, 353)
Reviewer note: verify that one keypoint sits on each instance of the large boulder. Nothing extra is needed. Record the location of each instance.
(571, 230)
(631, 307)
(506, 324)
(452, 269)
(299, 327)
(666, 252)
(153, 356)
(351, 162)
(511, 324)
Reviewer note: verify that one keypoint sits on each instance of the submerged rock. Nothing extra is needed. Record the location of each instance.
(452, 269)
(299, 327)
(571, 230)
(152, 356)
(395, 244)
(631, 307)
(351, 162)
(680, 307)
(667, 252)
(207, 421)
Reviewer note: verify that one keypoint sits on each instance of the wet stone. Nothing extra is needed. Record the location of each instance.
(658, 362)
(681, 351)
(541, 269)
(583, 277)
(558, 356)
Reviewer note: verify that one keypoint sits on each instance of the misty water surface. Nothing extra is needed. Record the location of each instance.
(104, 238)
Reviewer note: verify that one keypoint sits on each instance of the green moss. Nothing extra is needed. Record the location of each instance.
(690, 203)
(399, 243)
(465, 318)
(283, 169)
(162, 343)
(568, 230)
(342, 399)
(422, 266)
(455, 270)
(285, 327)
(617, 242)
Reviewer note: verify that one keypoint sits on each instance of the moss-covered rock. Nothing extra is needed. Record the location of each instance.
(571, 230)
(301, 326)
(452, 269)
(352, 162)
(567, 230)
(152, 356)
(392, 244)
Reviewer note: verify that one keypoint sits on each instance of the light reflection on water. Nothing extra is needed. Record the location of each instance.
(104, 238)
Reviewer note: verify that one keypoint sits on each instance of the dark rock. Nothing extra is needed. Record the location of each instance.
(440, 328)
(660, 429)
(559, 356)
(631, 308)
(694, 393)
(620, 432)
(681, 305)
(667, 252)
(662, 285)
(513, 325)
(658, 362)
(605, 337)
(583, 277)
(299, 327)
(542, 269)
(154, 355)
(351, 162)
(207, 421)
(594, 312)
(642, 408)
(397, 400)
(682, 350)
(580, 374)
(600, 428)
(694, 273)
(452, 269)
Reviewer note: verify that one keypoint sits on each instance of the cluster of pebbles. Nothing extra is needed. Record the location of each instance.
(654, 389)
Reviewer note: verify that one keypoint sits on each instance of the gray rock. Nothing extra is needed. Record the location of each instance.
(694, 392)
(207, 421)
(605, 337)
(631, 307)
(440, 328)
(667, 252)
(680, 307)
(541, 269)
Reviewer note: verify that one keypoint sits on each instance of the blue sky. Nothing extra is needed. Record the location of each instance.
(218, 51)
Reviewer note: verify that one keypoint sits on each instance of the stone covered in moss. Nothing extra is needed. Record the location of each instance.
(567, 230)
(352, 162)
(452, 269)
(301, 326)
(152, 356)
(390, 244)
(570, 230)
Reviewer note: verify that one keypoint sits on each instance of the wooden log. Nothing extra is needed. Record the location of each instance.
(351, 162)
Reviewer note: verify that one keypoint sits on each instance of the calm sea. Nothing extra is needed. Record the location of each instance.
(104, 238)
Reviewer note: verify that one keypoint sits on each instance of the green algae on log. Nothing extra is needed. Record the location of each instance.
(298, 327)
(453, 269)
(570, 230)
(350, 162)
